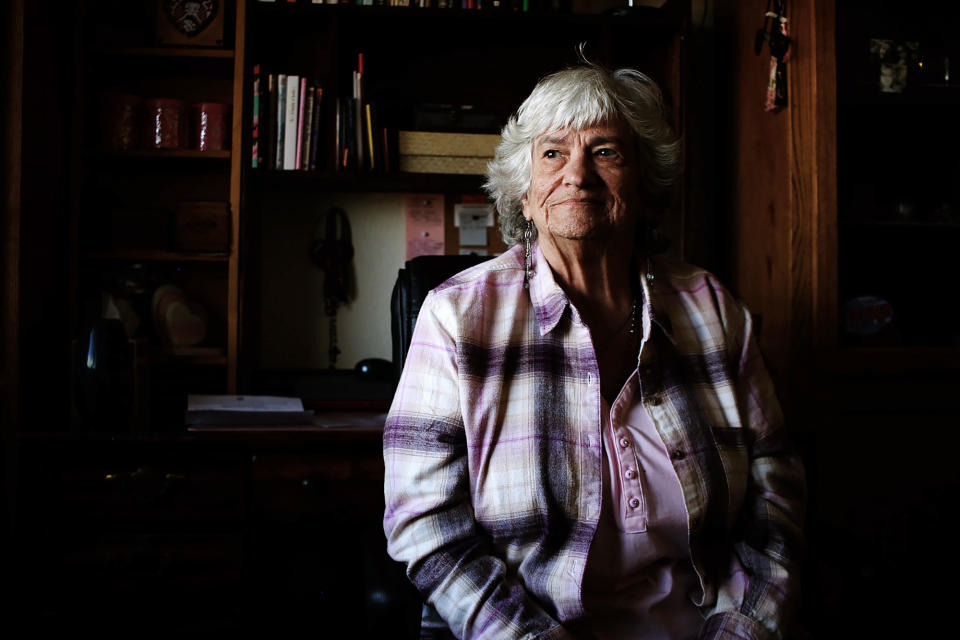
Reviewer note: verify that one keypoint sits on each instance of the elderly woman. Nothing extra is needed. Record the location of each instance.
(585, 442)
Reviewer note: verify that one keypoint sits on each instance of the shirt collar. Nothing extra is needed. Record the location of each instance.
(550, 302)
(654, 313)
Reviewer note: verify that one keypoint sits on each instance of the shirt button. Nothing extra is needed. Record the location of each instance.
(634, 503)
(624, 442)
(678, 454)
(631, 474)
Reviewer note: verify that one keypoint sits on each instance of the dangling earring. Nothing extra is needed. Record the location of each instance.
(527, 258)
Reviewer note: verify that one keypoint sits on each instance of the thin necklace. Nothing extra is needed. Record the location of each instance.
(631, 319)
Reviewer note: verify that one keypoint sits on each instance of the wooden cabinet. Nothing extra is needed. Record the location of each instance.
(155, 194)
(213, 533)
(815, 192)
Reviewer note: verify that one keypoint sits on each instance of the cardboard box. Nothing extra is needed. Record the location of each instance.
(202, 227)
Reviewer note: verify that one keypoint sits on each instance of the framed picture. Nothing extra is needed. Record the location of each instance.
(190, 23)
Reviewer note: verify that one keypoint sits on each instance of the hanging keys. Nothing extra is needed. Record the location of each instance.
(775, 32)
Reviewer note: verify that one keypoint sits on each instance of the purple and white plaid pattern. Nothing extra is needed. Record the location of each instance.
(492, 452)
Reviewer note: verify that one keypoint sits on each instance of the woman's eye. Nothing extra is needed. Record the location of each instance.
(606, 153)
(551, 153)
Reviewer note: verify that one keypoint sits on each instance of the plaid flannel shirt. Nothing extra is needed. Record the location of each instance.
(493, 454)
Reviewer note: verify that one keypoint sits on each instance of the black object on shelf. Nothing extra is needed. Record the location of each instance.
(104, 376)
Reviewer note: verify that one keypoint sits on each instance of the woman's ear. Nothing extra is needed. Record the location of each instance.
(525, 208)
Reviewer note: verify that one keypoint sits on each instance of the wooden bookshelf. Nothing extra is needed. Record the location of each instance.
(116, 55)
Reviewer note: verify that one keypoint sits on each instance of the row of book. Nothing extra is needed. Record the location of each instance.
(479, 5)
(287, 122)
(290, 122)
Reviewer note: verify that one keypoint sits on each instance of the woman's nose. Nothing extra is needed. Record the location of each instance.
(578, 170)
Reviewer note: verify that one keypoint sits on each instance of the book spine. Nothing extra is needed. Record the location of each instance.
(315, 139)
(307, 130)
(268, 104)
(350, 134)
(338, 123)
(301, 113)
(255, 133)
(290, 123)
(369, 129)
(358, 112)
(281, 119)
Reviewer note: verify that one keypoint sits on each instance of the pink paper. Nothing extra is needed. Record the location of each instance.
(424, 222)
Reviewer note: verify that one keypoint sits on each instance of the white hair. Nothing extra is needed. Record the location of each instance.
(578, 98)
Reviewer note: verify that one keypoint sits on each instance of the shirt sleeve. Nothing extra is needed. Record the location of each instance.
(428, 519)
(757, 597)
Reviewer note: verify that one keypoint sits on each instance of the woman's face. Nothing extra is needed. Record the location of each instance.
(585, 184)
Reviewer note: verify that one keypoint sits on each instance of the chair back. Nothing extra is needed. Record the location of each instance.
(414, 281)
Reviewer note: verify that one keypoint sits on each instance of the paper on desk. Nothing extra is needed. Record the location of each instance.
(242, 403)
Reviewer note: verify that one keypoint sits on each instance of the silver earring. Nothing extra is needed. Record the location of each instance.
(527, 258)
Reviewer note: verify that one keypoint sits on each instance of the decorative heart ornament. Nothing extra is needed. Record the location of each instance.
(186, 324)
(190, 17)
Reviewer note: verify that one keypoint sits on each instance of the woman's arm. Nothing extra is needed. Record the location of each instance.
(429, 520)
(761, 590)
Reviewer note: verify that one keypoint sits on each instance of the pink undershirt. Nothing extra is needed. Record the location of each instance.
(638, 580)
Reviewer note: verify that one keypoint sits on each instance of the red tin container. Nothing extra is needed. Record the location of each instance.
(166, 123)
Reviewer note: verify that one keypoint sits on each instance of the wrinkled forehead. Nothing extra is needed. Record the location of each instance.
(607, 130)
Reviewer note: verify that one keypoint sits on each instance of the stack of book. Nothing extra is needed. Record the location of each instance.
(287, 122)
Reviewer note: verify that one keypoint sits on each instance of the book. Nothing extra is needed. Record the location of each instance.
(301, 115)
(315, 139)
(370, 130)
(307, 129)
(337, 137)
(290, 132)
(269, 123)
(255, 133)
(281, 119)
(359, 155)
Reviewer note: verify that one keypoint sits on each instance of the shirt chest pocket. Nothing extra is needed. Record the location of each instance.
(734, 454)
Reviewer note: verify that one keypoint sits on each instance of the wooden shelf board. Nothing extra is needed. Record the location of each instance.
(378, 182)
(162, 153)
(645, 18)
(147, 255)
(183, 360)
(899, 224)
(166, 52)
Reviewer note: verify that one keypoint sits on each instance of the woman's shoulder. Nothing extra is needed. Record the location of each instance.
(500, 271)
(691, 290)
(685, 278)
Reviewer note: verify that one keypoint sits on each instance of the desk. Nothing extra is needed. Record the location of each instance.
(227, 531)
